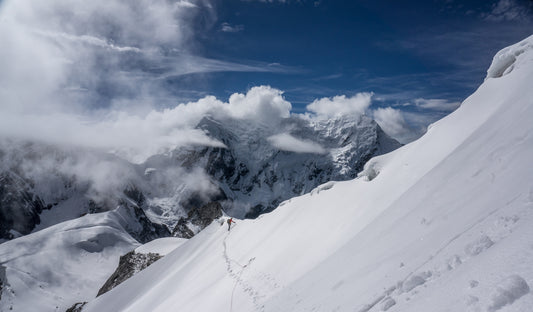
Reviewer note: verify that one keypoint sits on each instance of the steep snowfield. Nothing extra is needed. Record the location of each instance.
(442, 224)
(52, 269)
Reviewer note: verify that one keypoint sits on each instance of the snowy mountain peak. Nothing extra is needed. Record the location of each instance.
(261, 165)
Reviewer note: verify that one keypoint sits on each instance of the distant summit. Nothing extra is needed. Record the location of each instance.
(259, 166)
(262, 166)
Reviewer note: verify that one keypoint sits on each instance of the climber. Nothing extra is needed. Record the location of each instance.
(230, 220)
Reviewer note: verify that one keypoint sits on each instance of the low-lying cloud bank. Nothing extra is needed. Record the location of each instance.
(135, 137)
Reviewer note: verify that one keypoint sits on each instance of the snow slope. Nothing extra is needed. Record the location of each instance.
(54, 268)
(442, 224)
(162, 246)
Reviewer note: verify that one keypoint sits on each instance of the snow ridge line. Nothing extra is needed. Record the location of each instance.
(248, 289)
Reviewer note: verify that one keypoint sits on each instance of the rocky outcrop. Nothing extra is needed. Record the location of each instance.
(141, 227)
(129, 265)
(182, 229)
(197, 219)
(3, 279)
(77, 307)
(19, 206)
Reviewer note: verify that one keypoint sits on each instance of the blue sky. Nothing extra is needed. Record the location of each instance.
(400, 50)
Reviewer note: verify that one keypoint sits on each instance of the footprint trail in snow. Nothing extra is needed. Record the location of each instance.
(235, 271)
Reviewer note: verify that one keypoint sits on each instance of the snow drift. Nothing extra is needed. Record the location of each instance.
(442, 224)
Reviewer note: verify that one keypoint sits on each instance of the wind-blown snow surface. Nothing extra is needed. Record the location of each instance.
(442, 224)
(54, 268)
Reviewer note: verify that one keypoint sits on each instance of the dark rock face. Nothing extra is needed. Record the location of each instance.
(129, 264)
(3, 279)
(146, 230)
(77, 307)
(31, 181)
(182, 230)
(197, 219)
(256, 176)
(19, 207)
(195, 200)
(204, 215)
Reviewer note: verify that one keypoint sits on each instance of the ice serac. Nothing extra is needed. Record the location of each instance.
(444, 223)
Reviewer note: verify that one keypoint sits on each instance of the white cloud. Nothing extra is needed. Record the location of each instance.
(437, 104)
(103, 175)
(86, 39)
(136, 137)
(508, 10)
(287, 142)
(186, 4)
(341, 105)
(263, 104)
(226, 27)
(61, 61)
(393, 123)
(77, 55)
(58, 48)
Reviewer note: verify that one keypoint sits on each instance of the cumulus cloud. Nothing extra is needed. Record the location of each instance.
(136, 137)
(287, 142)
(263, 104)
(94, 73)
(393, 123)
(341, 105)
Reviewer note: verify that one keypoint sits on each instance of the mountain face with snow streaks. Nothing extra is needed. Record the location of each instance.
(249, 176)
(256, 175)
(441, 224)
